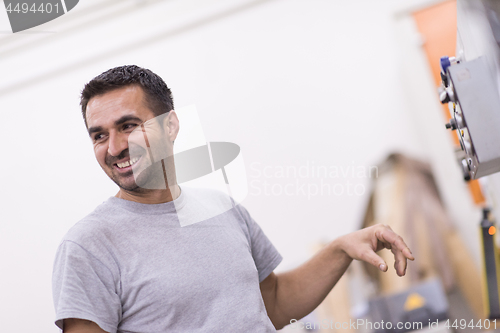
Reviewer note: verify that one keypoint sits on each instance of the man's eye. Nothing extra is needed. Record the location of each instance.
(129, 126)
(97, 137)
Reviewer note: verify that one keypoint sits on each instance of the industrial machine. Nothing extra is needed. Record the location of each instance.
(471, 88)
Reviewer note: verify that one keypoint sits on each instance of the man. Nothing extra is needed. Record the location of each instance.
(130, 266)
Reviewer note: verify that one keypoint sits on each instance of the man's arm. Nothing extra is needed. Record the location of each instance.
(73, 325)
(294, 294)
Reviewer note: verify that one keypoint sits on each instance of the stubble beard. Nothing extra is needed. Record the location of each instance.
(151, 178)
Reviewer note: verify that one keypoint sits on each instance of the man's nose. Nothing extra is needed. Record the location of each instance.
(117, 143)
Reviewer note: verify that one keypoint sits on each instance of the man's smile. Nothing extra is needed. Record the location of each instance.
(127, 163)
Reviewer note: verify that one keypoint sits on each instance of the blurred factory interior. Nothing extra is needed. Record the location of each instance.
(350, 87)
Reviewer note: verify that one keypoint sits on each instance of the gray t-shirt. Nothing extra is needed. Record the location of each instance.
(131, 267)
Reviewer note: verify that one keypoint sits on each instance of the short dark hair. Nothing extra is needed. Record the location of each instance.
(158, 96)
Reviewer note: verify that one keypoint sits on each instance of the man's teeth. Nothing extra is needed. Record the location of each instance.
(127, 163)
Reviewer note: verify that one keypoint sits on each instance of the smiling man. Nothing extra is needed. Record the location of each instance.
(129, 266)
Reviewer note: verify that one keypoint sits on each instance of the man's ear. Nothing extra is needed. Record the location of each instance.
(171, 125)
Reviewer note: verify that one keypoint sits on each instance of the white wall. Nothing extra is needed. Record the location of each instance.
(291, 82)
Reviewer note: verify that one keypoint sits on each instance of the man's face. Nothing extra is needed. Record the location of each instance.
(111, 118)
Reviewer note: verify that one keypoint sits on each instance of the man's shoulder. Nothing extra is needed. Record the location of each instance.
(94, 226)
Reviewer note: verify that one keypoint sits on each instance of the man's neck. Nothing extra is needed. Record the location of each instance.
(152, 196)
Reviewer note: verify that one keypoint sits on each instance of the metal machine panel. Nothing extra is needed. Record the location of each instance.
(478, 106)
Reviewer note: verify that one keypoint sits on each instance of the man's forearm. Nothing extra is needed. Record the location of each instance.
(300, 291)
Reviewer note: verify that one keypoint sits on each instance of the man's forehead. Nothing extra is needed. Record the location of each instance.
(115, 104)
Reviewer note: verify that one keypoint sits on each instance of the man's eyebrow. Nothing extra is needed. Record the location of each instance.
(126, 118)
(94, 129)
(120, 121)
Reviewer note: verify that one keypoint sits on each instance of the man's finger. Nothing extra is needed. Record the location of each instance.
(372, 258)
(400, 262)
(386, 235)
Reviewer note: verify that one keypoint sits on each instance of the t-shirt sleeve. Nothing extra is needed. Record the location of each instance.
(84, 288)
(265, 255)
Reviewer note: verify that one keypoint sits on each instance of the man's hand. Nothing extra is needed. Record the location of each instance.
(294, 294)
(362, 245)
